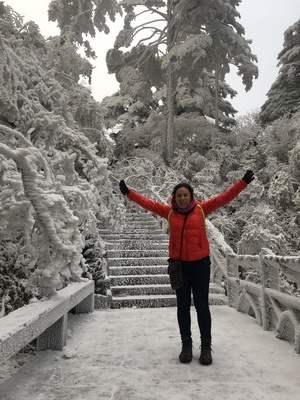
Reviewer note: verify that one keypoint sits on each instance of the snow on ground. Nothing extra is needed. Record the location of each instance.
(132, 354)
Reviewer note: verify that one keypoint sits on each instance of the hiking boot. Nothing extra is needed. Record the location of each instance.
(205, 356)
(187, 350)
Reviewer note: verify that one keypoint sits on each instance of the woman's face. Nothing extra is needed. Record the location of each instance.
(182, 197)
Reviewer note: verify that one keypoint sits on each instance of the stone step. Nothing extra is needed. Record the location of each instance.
(154, 301)
(139, 290)
(132, 236)
(137, 253)
(141, 222)
(132, 261)
(130, 280)
(134, 214)
(141, 233)
(141, 229)
(137, 245)
(134, 290)
(133, 229)
(138, 270)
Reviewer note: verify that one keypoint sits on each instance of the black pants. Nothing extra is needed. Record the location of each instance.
(196, 276)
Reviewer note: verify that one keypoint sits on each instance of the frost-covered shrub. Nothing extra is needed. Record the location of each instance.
(294, 160)
(194, 133)
(262, 230)
(254, 238)
(94, 254)
(291, 226)
(55, 239)
(188, 164)
(281, 190)
(280, 138)
(14, 276)
(229, 227)
(206, 181)
(270, 169)
(50, 208)
(130, 139)
(54, 182)
(148, 175)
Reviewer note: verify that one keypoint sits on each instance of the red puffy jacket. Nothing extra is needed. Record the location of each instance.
(195, 245)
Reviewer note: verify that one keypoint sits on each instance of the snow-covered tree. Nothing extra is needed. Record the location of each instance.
(284, 94)
(187, 39)
(78, 20)
(54, 180)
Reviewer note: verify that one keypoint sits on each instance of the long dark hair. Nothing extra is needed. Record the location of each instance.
(185, 185)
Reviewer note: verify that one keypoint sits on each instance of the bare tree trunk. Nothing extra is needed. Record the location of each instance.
(170, 115)
(217, 90)
(169, 144)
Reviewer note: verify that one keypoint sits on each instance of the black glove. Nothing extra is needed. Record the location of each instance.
(249, 176)
(123, 187)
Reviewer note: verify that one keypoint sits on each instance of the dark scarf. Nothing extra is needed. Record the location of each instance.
(185, 210)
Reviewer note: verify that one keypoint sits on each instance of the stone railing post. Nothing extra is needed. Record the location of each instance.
(270, 279)
(263, 302)
(232, 280)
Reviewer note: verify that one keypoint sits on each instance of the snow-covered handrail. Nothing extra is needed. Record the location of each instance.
(263, 296)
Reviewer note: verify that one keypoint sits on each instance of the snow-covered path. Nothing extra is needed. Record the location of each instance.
(132, 354)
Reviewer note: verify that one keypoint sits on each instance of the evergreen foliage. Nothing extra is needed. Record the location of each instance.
(53, 161)
(284, 94)
(182, 52)
(77, 20)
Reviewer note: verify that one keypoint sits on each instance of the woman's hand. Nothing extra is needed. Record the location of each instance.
(249, 176)
(123, 187)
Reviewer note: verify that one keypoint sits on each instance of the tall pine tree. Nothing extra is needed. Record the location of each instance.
(187, 39)
(284, 94)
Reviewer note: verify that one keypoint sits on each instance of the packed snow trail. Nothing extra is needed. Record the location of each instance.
(132, 354)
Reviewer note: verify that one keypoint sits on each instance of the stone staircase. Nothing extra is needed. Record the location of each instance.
(137, 265)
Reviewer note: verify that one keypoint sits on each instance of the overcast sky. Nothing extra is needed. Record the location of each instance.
(264, 21)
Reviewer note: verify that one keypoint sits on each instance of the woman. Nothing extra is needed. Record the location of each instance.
(188, 242)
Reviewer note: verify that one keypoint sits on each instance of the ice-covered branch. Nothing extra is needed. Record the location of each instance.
(24, 141)
(33, 192)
